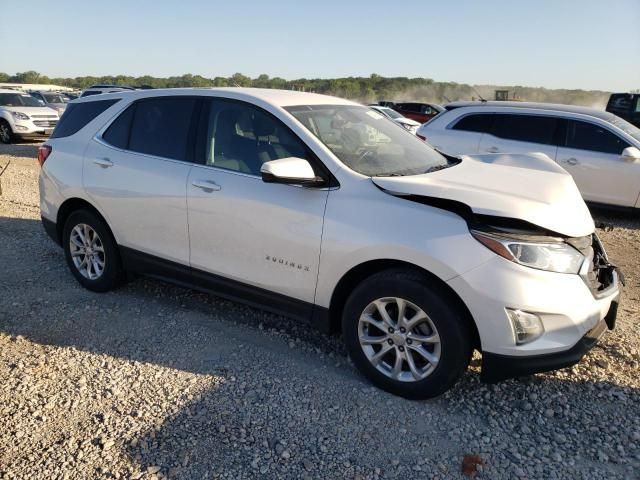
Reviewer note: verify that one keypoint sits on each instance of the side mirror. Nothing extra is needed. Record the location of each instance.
(631, 154)
(290, 171)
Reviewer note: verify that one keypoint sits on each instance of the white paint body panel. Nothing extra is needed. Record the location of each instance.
(545, 196)
(263, 234)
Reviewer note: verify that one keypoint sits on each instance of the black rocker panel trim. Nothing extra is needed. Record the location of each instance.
(183, 275)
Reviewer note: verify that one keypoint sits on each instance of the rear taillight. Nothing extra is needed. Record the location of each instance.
(43, 153)
(421, 137)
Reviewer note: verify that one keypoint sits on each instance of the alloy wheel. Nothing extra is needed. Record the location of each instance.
(399, 339)
(87, 251)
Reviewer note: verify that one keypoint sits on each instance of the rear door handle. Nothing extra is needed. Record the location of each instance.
(493, 150)
(103, 162)
(206, 185)
(571, 161)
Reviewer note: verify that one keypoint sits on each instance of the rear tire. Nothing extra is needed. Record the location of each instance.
(91, 252)
(6, 135)
(420, 347)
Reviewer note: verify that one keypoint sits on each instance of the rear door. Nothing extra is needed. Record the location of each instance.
(592, 154)
(463, 136)
(521, 133)
(136, 172)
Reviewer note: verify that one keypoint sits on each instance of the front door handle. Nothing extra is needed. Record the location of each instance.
(493, 149)
(103, 162)
(571, 161)
(206, 185)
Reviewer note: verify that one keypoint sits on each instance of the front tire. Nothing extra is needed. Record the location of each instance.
(91, 251)
(6, 135)
(406, 334)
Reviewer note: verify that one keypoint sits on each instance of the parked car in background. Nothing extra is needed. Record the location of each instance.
(407, 123)
(275, 198)
(55, 100)
(23, 116)
(420, 112)
(98, 89)
(626, 106)
(600, 150)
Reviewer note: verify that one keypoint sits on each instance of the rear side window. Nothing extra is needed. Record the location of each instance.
(620, 103)
(587, 136)
(474, 123)
(77, 115)
(525, 128)
(156, 126)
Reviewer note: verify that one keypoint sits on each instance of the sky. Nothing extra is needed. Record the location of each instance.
(588, 44)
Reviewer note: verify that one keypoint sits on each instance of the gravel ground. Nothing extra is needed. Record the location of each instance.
(155, 381)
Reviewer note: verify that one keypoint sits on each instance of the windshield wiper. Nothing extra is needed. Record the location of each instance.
(435, 168)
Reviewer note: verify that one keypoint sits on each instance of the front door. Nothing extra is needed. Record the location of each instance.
(591, 153)
(261, 235)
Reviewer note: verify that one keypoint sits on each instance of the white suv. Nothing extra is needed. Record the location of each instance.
(600, 150)
(321, 209)
(23, 116)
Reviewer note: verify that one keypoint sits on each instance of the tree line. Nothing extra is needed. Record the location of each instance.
(365, 89)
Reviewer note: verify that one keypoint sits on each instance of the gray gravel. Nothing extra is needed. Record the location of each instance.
(155, 381)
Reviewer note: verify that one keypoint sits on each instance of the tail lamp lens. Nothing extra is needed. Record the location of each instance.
(43, 153)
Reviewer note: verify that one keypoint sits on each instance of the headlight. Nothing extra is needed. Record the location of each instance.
(553, 256)
(20, 116)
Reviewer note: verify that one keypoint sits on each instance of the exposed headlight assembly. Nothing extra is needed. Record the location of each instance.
(20, 116)
(548, 253)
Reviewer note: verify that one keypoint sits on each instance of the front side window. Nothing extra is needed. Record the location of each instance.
(478, 122)
(525, 128)
(588, 136)
(366, 141)
(241, 138)
(160, 127)
(18, 100)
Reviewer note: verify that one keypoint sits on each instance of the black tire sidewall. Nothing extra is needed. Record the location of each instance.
(11, 135)
(436, 302)
(111, 277)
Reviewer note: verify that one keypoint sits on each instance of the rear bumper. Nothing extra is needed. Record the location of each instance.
(497, 367)
(51, 229)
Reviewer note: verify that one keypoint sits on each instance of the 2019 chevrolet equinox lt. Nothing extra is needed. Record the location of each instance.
(324, 210)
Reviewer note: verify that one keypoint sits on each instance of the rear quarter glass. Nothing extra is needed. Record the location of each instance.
(77, 115)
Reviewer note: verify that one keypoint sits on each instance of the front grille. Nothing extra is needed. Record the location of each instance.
(44, 116)
(45, 123)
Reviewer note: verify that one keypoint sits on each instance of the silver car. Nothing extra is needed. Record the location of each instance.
(56, 100)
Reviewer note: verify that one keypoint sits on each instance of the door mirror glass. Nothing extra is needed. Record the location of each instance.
(290, 171)
(631, 154)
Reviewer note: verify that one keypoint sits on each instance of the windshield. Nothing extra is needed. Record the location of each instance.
(367, 142)
(19, 100)
(55, 98)
(625, 126)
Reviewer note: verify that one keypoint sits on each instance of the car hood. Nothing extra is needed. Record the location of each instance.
(407, 121)
(529, 187)
(32, 110)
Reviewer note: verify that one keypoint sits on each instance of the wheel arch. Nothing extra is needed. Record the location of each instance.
(71, 205)
(360, 272)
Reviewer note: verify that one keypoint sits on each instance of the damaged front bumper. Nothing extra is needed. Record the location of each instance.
(497, 367)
